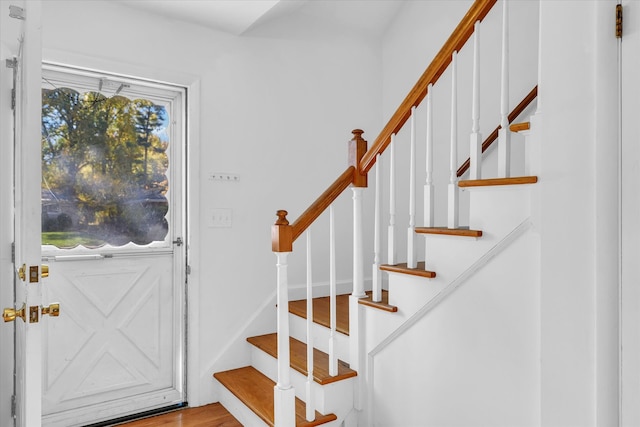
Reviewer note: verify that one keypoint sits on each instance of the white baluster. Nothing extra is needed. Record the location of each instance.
(356, 324)
(391, 254)
(358, 277)
(504, 135)
(411, 247)
(376, 274)
(284, 393)
(333, 358)
(452, 221)
(310, 400)
(428, 185)
(475, 144)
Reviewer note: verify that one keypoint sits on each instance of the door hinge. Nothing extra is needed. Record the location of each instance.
(13, 64)
(16, 12)
(13, 252)
(188, 269)
(13, 406)
(618, 21)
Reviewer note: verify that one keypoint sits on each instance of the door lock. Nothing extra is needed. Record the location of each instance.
(10, 314)
(52, 310)
(33, 272)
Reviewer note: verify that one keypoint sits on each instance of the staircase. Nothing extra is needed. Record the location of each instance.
(248, 392)
(361, 328)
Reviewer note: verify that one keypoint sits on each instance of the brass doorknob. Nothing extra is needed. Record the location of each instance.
(52, 310)
(44, 271)
(10, 314)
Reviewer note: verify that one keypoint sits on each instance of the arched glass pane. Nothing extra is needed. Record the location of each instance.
(104, 166)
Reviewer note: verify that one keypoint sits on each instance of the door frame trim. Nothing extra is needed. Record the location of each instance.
(191, 186)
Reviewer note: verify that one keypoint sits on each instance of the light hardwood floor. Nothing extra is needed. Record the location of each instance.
(214, 415)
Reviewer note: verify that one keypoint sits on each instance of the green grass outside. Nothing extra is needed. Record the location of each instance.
(70, 239)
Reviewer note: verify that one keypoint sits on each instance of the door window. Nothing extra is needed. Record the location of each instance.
(105, 147)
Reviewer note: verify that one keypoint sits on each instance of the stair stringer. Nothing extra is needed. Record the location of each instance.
(453, 368)
(497, 211)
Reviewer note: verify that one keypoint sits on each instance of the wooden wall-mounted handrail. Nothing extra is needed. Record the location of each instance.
(456, 41)
(494, 135)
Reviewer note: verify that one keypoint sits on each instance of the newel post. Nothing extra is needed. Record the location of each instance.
(357, 150)
(284, 393)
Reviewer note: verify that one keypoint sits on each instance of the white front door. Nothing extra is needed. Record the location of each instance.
(630, 198)
(27, 313)
(112, 233)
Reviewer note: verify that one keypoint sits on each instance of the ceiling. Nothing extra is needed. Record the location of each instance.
(240, 17)
(231, 16)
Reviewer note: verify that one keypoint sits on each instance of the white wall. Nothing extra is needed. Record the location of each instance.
(277, 111)
(578, 215)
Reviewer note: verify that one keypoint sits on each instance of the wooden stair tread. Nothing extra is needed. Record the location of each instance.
(402, 268)
(460, 231)
(321, 311)
(382, 305)
(255, 390)
(298, 356)
(519, 127)
(519, 180)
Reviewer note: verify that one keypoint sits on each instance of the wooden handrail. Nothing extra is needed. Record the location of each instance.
(494, 135)
(323, 202)
(283, 235)
(456, 41)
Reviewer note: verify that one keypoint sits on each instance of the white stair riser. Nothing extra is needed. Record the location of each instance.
(238, 409)
(298, 330)
(336, 398)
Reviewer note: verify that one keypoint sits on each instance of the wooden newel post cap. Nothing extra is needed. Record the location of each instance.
(357, 133)
(282, 218)
(357, 149)
(281, 234)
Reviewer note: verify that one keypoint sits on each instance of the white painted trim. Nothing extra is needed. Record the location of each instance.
(194, 244)
(6, 236)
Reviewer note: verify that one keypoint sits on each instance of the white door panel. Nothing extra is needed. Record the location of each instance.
(115, 341)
